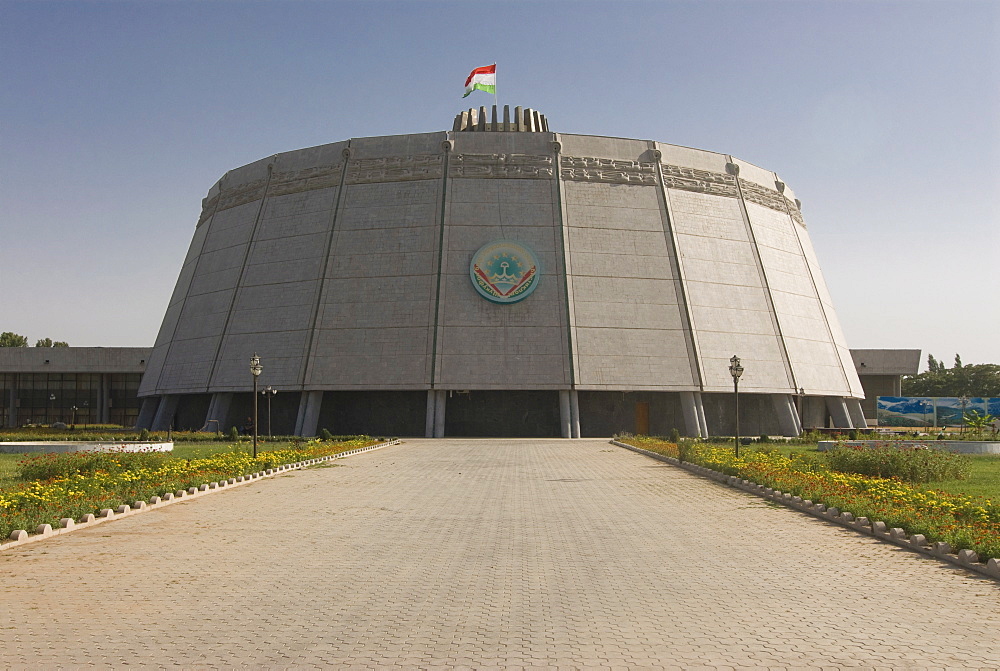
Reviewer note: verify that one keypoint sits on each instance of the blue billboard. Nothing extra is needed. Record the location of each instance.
(932, 411)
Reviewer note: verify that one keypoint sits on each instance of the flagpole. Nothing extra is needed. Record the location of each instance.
(496, 102)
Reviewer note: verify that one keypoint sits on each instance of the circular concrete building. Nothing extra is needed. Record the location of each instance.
(500, 279)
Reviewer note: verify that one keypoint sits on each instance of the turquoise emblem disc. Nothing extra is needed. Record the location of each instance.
(504, 271)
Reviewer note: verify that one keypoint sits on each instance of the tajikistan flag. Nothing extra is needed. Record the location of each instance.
(484, 79)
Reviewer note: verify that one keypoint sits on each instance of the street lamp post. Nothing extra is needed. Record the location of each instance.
(269, 391)
(72, 422)
(48, 411)
(735, 369)
(256, 369)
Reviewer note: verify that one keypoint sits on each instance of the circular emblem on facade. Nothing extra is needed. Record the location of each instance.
(504, 271)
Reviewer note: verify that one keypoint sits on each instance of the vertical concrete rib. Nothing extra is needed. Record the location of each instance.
(677, 269)
(566, 265)
(251, 243)
(763, 278)
(447, 146)
(307, 360)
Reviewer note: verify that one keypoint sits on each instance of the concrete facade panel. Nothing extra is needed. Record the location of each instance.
(712, 216)
(369, 372)
(466, 308)
(396, 145)
(716, 250)
(718, 273)
(692, 158)
(759, 375)
(647, 357)
(308, 205)
(624, 290)
(231, 227)
(614, 198)
(280, 353)
(284, 272)
(605, 147)
(183, 285)
(510, 192)
(197, 243)
(739, 321)
(727, 296)
(627, 315)
(498, 370)
(755, 174)
(294, 225)
(206, 282)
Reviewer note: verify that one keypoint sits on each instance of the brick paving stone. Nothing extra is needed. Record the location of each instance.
(487, 553)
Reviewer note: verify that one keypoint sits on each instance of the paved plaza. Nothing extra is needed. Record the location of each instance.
(487, 553)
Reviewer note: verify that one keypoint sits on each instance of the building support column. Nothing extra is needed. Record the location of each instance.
(147, 412)
(429, 415)
(165, 412)
(308, 417)
(838, 412)
(104, 400)
(788, 417)
(218, 412)
(441, 398)
(565, 420)
(694, 414)
(574, 413)
(857, 414)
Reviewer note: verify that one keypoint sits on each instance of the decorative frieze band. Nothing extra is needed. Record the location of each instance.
(588, 169)
(395, 169)
(699, 181)
(307, 179)
(769, 198)
(242, 194)
(282, 184)
(793, 209)
(502, 166)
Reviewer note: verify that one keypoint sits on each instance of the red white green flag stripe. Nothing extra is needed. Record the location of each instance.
(484, 79)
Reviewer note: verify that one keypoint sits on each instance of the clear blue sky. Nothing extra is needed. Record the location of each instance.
(883, 117)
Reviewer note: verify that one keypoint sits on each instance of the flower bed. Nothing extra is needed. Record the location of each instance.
(963, 522)
(74, 494)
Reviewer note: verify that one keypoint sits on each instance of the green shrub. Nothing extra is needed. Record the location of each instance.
(325, 435)
(675, 436)
(912, 464)
(234, 434)
(144, 435)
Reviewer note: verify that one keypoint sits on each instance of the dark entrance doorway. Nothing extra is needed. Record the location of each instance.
(506, 414)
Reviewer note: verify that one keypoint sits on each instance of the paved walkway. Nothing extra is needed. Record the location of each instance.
(487, 553)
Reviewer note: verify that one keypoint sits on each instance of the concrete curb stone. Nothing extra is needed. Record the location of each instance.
(966, 559)
(21, 536)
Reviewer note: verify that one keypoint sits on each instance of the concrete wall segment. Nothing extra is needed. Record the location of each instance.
(755, 174)
(687, 157)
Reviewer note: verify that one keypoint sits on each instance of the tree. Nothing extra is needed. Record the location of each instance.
(932, 363)
(47, 342)
(9, 339)
(973, 380)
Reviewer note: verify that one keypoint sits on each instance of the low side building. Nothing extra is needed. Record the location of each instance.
(81, 385)
(881, 372)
